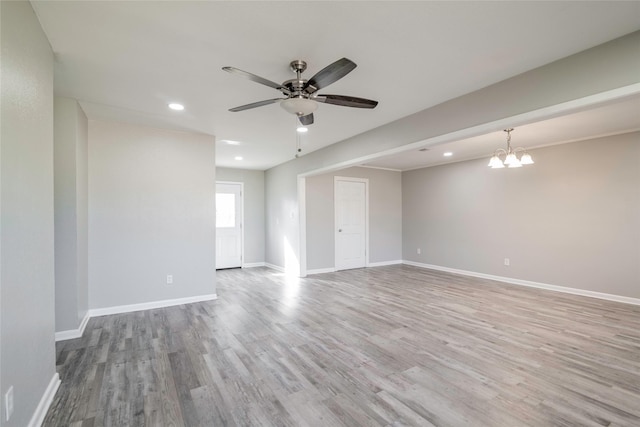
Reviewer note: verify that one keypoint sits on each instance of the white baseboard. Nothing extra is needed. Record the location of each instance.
(564, 289)
(253, 264)
(73, 333)
(321, 270)
(274, 267)
(94, 312)
(43, 406)
(383, 263)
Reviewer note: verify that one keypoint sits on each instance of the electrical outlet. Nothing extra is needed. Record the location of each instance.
(419, 251)
(507, 262)
(8, 403)
(169, 279)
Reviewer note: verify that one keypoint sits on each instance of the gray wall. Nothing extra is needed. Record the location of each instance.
(27, 319)
(572, 219)
(253, 210)
(151, 214)
(385, 216)
(282, 217)
(607, 67)
(70, 170)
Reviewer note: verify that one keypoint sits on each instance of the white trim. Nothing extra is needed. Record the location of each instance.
(528, 283)
(274, 267)
(321, 270)
(94, 312)
(366, 216)
(73, 333)
(378, 167)
(383, 263)
(253, 264)
(45, 401)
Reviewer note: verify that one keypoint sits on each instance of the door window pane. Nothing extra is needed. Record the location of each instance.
(225, 210)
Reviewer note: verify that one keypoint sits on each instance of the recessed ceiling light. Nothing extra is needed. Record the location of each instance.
(302, 129)
(230, 142)
(238, 157)
(176, 107)
(448, 154)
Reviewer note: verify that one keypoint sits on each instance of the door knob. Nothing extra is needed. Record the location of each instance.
(339, 230)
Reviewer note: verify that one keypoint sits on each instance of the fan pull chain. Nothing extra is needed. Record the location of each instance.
(298, 148)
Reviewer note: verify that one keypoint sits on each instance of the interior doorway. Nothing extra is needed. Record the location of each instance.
(229, 217)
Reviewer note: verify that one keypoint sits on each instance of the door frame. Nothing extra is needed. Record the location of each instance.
(241, 184)
(366, 218)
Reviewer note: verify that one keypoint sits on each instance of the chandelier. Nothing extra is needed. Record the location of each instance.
(510, 155)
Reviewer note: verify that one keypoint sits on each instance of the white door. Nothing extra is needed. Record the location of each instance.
(351, 206)
(228, 225)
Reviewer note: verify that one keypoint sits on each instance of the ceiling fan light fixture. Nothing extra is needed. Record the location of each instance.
(299, 106)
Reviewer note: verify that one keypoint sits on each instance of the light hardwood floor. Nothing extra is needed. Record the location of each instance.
(387, 346)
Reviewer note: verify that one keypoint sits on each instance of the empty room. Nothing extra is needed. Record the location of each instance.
(319, 213)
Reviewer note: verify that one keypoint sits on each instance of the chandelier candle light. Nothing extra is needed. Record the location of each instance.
(511, 159)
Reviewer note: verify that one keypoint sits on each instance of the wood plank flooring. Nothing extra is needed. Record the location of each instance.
(387, 346)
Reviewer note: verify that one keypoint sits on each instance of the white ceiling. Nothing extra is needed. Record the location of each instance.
(125, 61)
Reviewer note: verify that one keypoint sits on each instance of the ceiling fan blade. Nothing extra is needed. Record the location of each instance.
(255, 104)
(306, 120)
(329, 74)
(346, 101)
(254, 78)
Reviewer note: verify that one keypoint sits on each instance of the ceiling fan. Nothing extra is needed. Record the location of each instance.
(302, 95)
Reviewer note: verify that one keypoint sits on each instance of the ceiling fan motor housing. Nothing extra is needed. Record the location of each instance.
(294, 86)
